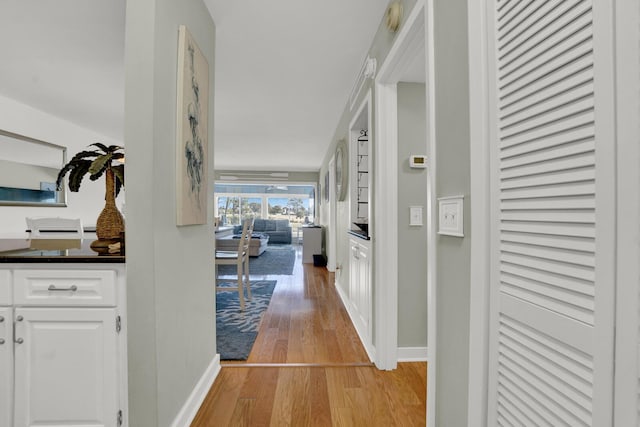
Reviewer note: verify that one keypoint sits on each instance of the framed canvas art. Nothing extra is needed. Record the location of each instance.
(192, 132)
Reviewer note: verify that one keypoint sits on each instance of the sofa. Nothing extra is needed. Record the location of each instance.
(278, 230)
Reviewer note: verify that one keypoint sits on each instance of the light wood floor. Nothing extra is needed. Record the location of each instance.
(308, 368)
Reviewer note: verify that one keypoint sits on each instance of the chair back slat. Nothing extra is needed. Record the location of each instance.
(247, 241)
(41, 227)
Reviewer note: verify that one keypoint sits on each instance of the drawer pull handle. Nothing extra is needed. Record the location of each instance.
(1, 341)
(1, 319)
(72, 288)
(19, 341)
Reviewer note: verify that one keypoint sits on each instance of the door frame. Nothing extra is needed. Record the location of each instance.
(627, 339)
(415, 35)
(480, 215)
(332, 235)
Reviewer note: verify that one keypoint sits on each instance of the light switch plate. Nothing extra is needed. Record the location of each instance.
(450, 216)
(415, 215)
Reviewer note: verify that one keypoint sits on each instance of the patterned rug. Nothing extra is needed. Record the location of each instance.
(237, 330)
(277, 259)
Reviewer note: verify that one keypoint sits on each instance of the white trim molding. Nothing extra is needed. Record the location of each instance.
(385, 242)
(480, 215)
(627, 342)
(409, 41)
(412, 354)
(367, 71)
(432, 221)
(198, 394)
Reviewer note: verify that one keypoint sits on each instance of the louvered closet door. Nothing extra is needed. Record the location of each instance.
(551, 319)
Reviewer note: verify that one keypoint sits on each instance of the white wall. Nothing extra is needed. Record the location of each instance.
(170, 277)
(24, 120)
(21, 175)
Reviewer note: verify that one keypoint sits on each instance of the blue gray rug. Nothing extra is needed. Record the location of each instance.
(277, 259)
(236, 330)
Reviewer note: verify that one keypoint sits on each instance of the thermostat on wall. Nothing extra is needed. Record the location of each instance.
(418, 161)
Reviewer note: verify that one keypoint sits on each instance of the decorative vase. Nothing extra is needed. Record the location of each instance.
(110, 224)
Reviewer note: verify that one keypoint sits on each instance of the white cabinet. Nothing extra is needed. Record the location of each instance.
(65, 348)
(6, 366)
(65, 366)
(360, 288)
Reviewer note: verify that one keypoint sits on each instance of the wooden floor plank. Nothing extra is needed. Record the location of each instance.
(259, 386)
(322, 375)
(243, 413)
(320, 411)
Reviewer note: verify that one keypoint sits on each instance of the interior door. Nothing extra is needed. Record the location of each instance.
(552, 186)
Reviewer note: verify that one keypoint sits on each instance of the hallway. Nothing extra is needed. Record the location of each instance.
(308, 368)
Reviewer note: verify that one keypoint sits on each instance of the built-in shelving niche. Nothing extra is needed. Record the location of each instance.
(360, 166)
(362, 179)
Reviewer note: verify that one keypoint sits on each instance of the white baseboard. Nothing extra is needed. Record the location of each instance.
(412, 354)
(351, 311)
(198, 394)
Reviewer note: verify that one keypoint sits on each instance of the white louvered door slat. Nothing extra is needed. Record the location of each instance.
(551, 279)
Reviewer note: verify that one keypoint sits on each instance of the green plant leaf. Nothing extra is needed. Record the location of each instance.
(100, 163)
(81, 165)
(114, 148)
(97, 175)
(62, 173)
(118, 172)
(77, 173)
(103, 147)
(85, 154)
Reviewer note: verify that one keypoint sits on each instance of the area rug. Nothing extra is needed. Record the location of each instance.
(236, 330)
(276, 259)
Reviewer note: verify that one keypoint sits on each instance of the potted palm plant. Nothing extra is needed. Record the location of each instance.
(107, 161)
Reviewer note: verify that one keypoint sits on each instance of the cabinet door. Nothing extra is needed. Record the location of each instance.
(354, 275)
(65, 367)
(364, 289)
(6, 366)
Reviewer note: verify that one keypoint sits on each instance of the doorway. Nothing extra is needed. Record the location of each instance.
(410, 59)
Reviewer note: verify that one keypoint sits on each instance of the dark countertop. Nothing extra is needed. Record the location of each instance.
(360, 234)
(25, 250)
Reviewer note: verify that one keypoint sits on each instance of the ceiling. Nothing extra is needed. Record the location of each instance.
(66, 57)
(284, 70)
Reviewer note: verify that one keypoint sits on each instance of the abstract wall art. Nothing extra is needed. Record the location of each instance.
(192, 131)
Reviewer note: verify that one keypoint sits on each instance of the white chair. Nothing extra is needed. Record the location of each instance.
(55, 228)
(240, 259)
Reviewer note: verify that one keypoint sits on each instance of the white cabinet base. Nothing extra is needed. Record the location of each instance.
(66, 367)
(360, 291)
(63, 359)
